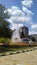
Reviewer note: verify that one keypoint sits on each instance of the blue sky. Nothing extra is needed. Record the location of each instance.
(23, 12)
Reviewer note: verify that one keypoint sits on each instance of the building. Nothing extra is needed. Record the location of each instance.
(24, 32)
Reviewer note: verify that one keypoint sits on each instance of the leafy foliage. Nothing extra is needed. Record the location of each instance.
(33, 38)
(3, 40)
(5, 30)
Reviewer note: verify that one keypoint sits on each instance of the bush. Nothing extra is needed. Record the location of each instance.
(33, 38)
(3, 40)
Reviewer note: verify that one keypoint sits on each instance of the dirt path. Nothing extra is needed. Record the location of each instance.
(27, 58)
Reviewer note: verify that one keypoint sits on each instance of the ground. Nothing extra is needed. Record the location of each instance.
(26, 58)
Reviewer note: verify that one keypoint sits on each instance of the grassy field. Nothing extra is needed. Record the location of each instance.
(5, 49)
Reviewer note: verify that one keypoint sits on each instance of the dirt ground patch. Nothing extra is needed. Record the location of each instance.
(27, 58)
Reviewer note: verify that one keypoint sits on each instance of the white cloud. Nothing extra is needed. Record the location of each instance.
(16, 26)
(34, 26)
(19, 16)
(33, 29)
(20, 25)
(32, 32)
(20, 19)
(27, 3)
(27, 11)
(14, 10)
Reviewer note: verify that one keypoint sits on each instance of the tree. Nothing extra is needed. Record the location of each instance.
(4, 24)
(33, 38)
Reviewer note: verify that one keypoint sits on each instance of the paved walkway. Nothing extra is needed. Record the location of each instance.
(27, 58)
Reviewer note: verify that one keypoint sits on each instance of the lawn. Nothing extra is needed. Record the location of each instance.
(5, 49)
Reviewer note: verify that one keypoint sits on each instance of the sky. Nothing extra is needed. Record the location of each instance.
(23, 13)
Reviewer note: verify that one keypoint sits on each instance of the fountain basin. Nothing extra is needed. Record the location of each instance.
(19, 43)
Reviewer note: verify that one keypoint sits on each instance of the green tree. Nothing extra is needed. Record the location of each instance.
(4, 24)
(33, 38)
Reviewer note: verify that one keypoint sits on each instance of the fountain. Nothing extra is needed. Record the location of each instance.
(15, 37)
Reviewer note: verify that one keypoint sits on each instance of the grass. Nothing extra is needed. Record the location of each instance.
(5, 49)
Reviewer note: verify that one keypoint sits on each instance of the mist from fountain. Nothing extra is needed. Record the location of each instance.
(15, 36)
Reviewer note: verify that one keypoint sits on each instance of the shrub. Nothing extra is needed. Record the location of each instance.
(3, 40)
